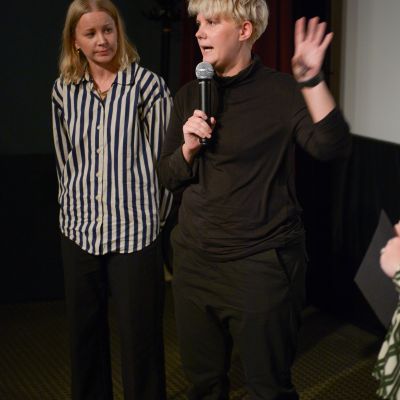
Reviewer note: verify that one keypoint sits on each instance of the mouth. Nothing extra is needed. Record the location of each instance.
(207, 49)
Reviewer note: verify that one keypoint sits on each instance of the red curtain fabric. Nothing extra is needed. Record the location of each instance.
(275, 46)
(190, 53)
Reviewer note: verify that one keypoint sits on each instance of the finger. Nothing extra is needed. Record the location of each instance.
(198, 127)
(327, 41)
(212, 122)
(312, 28)
(299, 34)
(200, 114)
(320, 32)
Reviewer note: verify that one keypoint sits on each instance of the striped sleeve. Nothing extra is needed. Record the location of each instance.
(60, 138)
(157, 116)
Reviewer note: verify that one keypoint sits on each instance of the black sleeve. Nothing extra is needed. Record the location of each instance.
(173, 170)
(325, 140)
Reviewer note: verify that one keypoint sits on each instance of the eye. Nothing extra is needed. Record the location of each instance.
(89, 34)
(108, 30)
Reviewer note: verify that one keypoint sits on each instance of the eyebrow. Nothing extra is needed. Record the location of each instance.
(107, 25)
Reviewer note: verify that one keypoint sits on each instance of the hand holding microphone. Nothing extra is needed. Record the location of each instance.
(204, 74)
(198, 128)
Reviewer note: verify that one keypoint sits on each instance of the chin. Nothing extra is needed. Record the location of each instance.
(105, 60)
(209, 58)
(210, 61)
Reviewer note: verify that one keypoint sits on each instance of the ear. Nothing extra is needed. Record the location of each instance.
(246, 31)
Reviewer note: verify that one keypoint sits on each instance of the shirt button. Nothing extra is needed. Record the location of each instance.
(97, 174)
(98, 127)
(98, 150)
(99, 219)
(98, 197)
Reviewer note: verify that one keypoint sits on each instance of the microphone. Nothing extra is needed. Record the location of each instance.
(204, 74)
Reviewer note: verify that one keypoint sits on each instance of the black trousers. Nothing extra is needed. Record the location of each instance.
(254, 303)
(136, 284)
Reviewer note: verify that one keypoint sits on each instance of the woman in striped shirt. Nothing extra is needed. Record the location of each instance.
(109, 119)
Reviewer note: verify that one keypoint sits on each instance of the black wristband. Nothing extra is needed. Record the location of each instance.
(314, 81)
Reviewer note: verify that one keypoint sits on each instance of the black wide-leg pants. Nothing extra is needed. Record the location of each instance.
(254, 303)
(136, 284)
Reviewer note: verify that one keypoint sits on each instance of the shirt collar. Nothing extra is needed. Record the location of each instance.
(124, 77)
(241, 76)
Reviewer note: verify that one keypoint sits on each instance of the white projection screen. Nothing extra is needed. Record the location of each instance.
(370, 72)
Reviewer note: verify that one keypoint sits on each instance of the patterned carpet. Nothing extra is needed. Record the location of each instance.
(334, 361)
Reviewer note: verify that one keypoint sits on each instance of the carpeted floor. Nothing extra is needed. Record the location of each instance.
(334, 361)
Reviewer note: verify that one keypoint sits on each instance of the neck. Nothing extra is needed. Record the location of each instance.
(241, 62)
(102, 73)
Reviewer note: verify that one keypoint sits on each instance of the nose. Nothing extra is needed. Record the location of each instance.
(101, 39)
(200, 34)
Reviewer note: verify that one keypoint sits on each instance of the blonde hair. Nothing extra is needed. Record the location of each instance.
(255, 11)
(72, 63)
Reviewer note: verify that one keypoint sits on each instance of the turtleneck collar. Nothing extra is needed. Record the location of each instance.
(241, 76)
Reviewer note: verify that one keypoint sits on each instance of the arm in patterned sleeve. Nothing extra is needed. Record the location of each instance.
(156, 122)
(62, 144)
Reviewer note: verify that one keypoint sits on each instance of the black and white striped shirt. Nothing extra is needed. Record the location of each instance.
(109, 196)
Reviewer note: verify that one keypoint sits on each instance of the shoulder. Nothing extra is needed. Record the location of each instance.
(57, 91)
(186, 99)
(148, 80)
(58, 84)
(187, 92)
(276, 79)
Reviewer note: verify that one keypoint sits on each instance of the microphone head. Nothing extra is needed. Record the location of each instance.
(204, 70)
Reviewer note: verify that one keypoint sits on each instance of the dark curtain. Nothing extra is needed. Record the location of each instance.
(367, 184)
(275, 46)
(29, 239)
(190, 53)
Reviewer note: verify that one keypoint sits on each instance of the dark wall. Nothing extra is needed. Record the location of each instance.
(30, 262)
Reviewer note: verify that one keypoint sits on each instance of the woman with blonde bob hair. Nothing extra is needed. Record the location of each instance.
(72, 62)
(239, 253)
(255, 11)
(109, 120)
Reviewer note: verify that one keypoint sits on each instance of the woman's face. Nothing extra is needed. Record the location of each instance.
(96, 36)
(219, 39)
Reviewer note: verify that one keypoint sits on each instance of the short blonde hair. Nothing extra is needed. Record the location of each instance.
(255, 11)
(73, 64)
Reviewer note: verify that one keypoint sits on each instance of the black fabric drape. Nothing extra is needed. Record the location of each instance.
(342, 202)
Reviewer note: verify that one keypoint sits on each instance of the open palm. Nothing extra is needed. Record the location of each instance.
(311, 43)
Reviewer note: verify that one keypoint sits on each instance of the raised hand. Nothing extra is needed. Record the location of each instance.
(311, 43)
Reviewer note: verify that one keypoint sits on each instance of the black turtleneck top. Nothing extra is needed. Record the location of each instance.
(239, 196)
